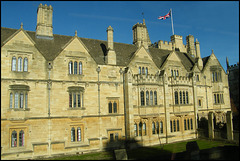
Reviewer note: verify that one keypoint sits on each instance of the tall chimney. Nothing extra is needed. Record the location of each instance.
(111, 55)
(44, 28)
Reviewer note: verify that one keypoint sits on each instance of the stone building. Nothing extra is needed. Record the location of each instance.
(233, 78)
(67, 95)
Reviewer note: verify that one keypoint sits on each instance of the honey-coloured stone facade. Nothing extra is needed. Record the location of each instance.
(72, 95)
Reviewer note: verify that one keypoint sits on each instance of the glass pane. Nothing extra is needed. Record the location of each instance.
(21, 100)
(79, 134)
(11, 99)
(70, 100)
(26, 100)
(153, 128)
(19, 64)
(75, 67)
(14, 63)
(79, 100)
(25, 66)
(142, 98)
(151, 98)
(73, 134)
(147, 98)
(115, 107)
(116, 136)
(80, 67)
(21, 138)
(110, 107)
(70, 67)
(14, 139)
(74, 100)
(135, 129)
(155, 97)
(184, 97)
(16, 100)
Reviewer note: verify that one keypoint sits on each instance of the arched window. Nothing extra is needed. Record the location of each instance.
(11, 99)
(135, 129)
(14, 139)
(14, 63)
(191, 122)
(20, 64)
(185, 124)
(188, 123)
(140, 129)
(153, 128)
(174, 125)
(139, 70)
(144, 129)
(186, 97)
(115, 107)
(16, 100)
(146, 71)
(143, 71)
(157, 127)
(80, 68)
(171, 125)
(176, 97)
(147, 98)
(21, 138)
(172, 73)
(142, 98)
(25, 65)
(70, 67)
(161, 127)
(110, 107)
(177, 125)
(79, 134)
(75, 67)
(155, 97)
(73, 134)
(151, 98)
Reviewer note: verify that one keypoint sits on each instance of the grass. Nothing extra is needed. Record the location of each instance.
(152, 152)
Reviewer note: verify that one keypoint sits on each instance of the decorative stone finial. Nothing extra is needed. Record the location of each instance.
(75, 32)
(21, 25)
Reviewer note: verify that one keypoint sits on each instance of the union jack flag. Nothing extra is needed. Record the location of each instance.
(166, 16)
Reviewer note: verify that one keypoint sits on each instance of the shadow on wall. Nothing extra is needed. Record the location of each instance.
(137, 152)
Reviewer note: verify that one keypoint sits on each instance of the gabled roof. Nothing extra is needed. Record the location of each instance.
(50, 49)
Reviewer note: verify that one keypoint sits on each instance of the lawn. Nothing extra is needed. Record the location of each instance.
(153, 152)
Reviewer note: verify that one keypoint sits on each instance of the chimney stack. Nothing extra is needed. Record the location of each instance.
(111, 55)
(44, 28)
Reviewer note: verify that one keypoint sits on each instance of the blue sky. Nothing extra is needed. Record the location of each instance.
(214, 23)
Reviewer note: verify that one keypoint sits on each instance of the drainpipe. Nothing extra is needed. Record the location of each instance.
(100, 120)
(49, 85)
(124, 101)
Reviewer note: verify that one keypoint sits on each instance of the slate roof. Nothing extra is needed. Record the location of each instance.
(50, 49)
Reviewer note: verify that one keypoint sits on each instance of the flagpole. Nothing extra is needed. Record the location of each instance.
(172, 22)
